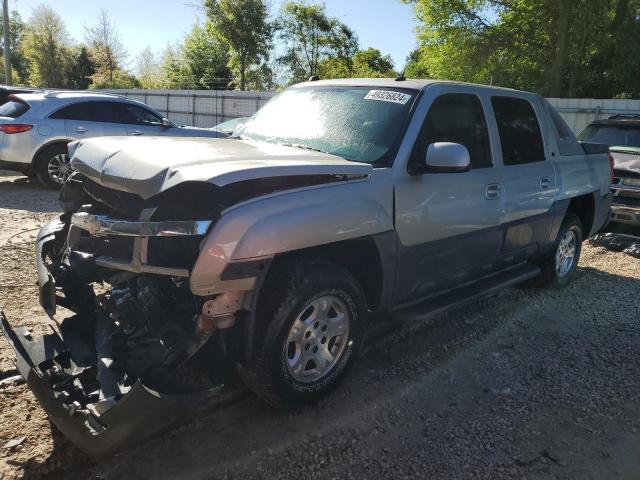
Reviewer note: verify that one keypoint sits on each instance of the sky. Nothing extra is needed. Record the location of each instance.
(383, 24)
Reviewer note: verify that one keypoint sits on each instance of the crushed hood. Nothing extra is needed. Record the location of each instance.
(149, 165)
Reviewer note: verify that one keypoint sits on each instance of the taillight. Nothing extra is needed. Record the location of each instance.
(611, 166)
(15, 127)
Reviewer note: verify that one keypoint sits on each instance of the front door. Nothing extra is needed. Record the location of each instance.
(140, 121)
(448, 224)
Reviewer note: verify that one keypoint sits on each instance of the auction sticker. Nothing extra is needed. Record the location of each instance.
(388, 96)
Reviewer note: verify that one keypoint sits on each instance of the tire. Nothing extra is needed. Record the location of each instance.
(52, 166)
(305, 303)
(557, 269)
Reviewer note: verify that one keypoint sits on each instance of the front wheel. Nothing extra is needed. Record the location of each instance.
(54, 166)
(560, 264)
(311, 331)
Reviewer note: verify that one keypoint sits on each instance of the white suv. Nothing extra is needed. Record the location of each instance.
(35, 128)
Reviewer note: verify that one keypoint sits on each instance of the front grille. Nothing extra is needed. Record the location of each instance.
(123, 204)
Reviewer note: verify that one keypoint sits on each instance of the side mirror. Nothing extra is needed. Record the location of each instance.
(446, 157)
(166, 123)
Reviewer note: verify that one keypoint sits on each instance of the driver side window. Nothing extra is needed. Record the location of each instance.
(135, 115)
(457, 118)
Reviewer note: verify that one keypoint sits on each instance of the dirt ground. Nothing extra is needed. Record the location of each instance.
(526, 384)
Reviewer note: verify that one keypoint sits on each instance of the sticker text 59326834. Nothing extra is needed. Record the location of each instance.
(388, 96)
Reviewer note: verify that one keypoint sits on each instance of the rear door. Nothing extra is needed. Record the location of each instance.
(448, 224)
(90, 119)
(528, 176)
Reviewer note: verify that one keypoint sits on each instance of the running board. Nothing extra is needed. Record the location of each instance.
(438, 304)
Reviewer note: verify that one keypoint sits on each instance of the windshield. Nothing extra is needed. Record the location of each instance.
(357, 123)
(612, 135)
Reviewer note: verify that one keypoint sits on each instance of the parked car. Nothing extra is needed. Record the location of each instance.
(273, 251)
(35, 128)
(622, 134)
(230, 126)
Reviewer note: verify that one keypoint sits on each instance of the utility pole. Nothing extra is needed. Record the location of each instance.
(7, 55)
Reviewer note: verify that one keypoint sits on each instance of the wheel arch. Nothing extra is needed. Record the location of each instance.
(370, 259)
(48, 144)
(583, 206)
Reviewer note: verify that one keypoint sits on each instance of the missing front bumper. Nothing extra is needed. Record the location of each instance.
(138, 415)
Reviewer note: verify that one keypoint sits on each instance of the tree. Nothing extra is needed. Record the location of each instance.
(79, 69)
(148, 69)
(243, 25)
(107, 51)
(311, 37)
(46, 46)
(201, 61)
(555, 47)
(19, 62)
(369, 63)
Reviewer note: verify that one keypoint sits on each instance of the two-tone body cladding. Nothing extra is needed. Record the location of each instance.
(268, 254)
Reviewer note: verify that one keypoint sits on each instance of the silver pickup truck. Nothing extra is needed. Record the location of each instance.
(180, 262)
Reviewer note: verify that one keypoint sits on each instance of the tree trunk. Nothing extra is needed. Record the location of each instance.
(243, 66)
(561, 51)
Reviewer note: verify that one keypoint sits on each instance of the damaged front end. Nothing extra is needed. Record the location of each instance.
(137, 350)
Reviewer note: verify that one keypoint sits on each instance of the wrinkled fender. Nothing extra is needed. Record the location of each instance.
(288, 222)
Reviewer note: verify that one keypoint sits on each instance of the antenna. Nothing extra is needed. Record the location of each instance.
(401, 77)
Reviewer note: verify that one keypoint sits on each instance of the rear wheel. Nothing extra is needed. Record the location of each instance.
(310, 333)
(560, 264)
(53, 166)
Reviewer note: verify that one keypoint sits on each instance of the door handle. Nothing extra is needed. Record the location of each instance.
(545, 183)
(81, 129)
(135, 132)
(493, 191)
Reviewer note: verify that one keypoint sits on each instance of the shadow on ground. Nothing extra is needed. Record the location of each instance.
(26, 193)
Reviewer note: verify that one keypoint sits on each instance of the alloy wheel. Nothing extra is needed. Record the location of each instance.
(59, 168)
(317, 338)
(566, 253)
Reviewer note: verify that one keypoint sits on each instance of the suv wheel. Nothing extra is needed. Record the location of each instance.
(310, 334)
(559, 266)
(53, 166)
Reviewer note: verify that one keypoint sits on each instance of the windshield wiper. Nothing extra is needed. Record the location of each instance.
(303, 147)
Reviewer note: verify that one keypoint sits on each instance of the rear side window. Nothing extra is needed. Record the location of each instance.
(457, 118)
(565, 138)
(13, 109)
(77, 111)
(106, 112)
(520, 136)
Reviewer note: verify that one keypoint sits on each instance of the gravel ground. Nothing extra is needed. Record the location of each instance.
(526, 384)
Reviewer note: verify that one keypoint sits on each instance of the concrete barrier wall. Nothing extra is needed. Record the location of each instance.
(200, 108)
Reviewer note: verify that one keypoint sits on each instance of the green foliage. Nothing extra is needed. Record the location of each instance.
(46, 46)
(201, 61)
(107, 53)
(79, 69)
(243, 26)
(587, 48)
(19, 62)
(148, 69)
(311, 38)
(369, 63)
